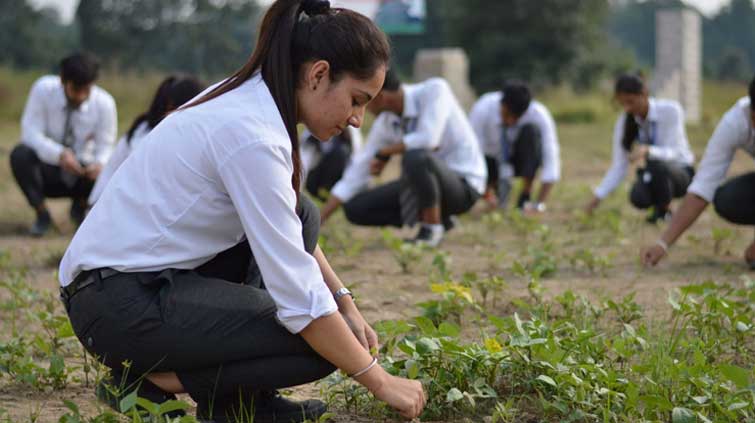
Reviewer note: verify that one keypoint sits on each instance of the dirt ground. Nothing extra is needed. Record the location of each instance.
(384, 292)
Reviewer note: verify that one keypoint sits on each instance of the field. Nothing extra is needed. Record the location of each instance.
(511, 320)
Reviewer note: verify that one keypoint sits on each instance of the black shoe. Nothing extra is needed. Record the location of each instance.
(426, 236)
(113, 389)
(656, 216)
(41, 225)
(450, 222)
(78, 212)
(267, 407)
(523, 198)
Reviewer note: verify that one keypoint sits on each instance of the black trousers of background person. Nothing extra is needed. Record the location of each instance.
(40, 180)
(432, 181)
(658, 183)
(526, 155)
(329, 170)
(735, 200)
(218, 333)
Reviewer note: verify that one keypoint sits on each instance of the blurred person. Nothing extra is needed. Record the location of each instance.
(324, 162)
(211, 281)
(651, 136)
(172, 93)
(68, 129)
(734, 200)
(442, 169)
(518, 137)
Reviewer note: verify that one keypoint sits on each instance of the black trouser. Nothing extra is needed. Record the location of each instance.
(658, 183)
(40, 180)
(431, 180)
(329, 170)
(218, 333)
(526, 155)
(735, 200)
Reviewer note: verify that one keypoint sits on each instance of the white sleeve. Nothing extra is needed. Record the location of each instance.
(731, 132)
(619, 165)
(120, 154)
(33, 123)
(357, 175)
(551, 151)
(267, 212)
(434, 110)
(107, 129)
(356, 139)
(677, 134)
(479, 118)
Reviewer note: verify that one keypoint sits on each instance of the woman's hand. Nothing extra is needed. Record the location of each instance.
(405, 396)
(364, 333)
(651, 255)
(592, 205)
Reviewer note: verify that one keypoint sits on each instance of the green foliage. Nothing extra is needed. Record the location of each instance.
(405, 253)
(720, 237)
(594, 262)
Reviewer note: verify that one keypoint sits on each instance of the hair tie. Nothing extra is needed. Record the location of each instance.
(315, 7)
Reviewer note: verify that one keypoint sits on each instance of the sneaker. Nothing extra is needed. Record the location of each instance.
(655, 217)
(522, 200)
(450, 222)
(113, 389)
(429, 235)
(78, 212)
(272, 407)
(41, 225)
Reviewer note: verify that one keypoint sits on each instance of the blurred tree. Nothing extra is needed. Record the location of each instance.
(32, 38)
(544, 41)
(210, 37)
(729, 39)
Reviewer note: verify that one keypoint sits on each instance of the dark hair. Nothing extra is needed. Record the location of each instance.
(172, 93)
(79, 68)
(629, 84)
(392, 81)
(752, 94)
(347, 40)
(516, 97)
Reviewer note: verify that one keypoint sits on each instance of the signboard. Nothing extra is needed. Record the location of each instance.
(393, 16)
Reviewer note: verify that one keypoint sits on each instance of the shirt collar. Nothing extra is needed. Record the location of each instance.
(62, 101)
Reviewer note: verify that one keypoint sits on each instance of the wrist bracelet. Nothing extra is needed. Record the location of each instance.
(366, 369)
(382, 157)
(661, 243)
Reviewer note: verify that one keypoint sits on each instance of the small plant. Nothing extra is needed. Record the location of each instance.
(720, 237)
(491, 286)
(405, 253)
(455, 299)
(594, 263)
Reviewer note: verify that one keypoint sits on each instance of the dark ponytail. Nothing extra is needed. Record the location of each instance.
(294, 32)
(172, 93)
(629, 84)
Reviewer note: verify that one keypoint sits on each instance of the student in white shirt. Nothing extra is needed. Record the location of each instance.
(442, 169)
(172, 93)
(734, 200)
(324, 162)
(67, 134)
(650, 135)
(211, 281)
(518, 136)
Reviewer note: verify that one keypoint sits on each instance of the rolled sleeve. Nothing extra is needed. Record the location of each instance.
(357, 176)
(267, 213)
(435, 110)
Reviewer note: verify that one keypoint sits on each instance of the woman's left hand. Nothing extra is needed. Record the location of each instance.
(364, 333)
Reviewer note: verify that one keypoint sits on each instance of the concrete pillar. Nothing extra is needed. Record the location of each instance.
(451, 64)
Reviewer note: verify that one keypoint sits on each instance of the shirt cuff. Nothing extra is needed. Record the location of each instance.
(342, 192)
(702, 192)
(321, 304)
(50, 154)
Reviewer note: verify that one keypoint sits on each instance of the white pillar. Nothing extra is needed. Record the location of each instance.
(451, 64)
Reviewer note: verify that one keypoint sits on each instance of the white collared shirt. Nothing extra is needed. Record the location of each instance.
(734, 131)
(436, 122)
(43, 123)
(663, 130)
(120, 154)
(203, 180)
(487, 123)
(311, 155)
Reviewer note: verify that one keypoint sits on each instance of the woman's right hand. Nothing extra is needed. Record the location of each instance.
(405, 396)
(651, 255)
(592, 205)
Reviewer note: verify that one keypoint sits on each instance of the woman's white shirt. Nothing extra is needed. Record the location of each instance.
(203, 180)
(121, 153)
(734, 131)
(665, 125)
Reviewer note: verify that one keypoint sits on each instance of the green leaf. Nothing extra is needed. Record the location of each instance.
(72, 406)
(736, 374)
(548, 380)
(738, 405)
(148, 405)
(412, 369)
(454, 395)
(449, 329)
(427, 345)
(426, 326)
(128, 402)
(683, 415)
(172, 405)
(700, 400)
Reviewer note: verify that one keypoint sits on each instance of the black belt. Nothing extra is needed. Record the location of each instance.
(83, 280)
